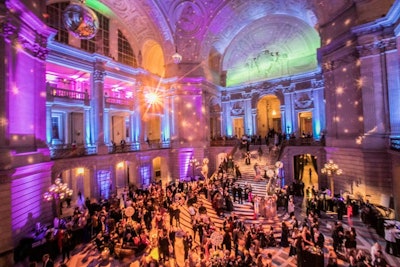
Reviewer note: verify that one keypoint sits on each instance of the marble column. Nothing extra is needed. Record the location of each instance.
(87, 127)
(97, 104)
(289, 111)
(318, 115)
(107, 127)
(254, 125)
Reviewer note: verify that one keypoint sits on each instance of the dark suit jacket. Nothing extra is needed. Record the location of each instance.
(49, 263)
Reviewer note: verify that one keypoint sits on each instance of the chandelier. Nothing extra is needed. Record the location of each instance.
(80, 21)
(331, 168)
(57, 192)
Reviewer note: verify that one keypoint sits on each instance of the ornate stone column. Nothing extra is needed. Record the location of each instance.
(226, 117)
(254, 125)
(165, 121)
(97, 104)
(289, 110)
(88, 129)
(249, 118)
(107, 127)
(319, 110)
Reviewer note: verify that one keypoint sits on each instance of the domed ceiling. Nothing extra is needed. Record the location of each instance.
(246, 40)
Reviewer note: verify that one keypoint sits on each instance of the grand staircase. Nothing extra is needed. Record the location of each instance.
(244, 211)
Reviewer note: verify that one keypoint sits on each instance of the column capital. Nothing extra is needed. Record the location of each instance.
(8, 28)
(99, 75)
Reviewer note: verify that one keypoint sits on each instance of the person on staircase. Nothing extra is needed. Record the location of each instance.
(240, 194)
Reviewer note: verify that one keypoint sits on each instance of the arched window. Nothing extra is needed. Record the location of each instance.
(55, 20)
(101, 42)
(125, 52)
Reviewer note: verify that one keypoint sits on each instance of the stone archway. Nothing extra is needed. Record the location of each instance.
(268, 115)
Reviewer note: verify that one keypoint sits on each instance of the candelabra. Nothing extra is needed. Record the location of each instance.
(57, 192)
(194, 163)
(330, 169)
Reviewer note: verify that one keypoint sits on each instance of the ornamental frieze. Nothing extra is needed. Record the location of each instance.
(303, 100)
(33, 47)
(8, 29)
(377, 47)
(317, 83)
(237, 109)
(246, 95)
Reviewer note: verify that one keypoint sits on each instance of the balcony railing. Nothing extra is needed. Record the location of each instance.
(119, 101)
(123, 148)
(70, 151)
(302, 142)
(224, 142)
(66, 93)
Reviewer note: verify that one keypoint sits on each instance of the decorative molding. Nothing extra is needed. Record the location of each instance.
(289, 89)
(237, 109)
(317, 83)
(377, 47)
(36, 48)
(99, 75)
(303, 100)
(8, 29)
(225, 97)
(247, 95)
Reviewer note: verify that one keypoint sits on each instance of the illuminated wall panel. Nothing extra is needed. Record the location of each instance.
(27, 204)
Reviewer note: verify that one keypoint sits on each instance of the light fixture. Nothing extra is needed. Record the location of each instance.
(330, 169)
(80, 21)
(57, 192)
(176, 57)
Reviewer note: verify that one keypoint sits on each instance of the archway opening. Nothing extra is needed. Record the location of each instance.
(305, 124)
(269, 116)
(238, 127)
(306, 172)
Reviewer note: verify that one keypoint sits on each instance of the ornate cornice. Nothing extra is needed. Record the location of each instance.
(36, 48)
(317, 83)
(225, 97)
(8, 28)
(247, 95)
(289, 89)
(377, 47)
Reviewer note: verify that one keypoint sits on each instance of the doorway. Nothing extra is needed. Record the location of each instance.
(306, 170)
(268, 115)
(238, 127)
(305, 123)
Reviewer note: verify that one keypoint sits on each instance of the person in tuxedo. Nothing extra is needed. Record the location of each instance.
(47, 262)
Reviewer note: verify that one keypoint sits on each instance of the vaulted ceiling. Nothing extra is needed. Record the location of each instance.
(245, 39)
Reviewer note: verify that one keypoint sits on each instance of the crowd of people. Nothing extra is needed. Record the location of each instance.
(144, 225)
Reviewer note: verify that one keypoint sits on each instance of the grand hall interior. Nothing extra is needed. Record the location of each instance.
(200, 133)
